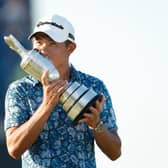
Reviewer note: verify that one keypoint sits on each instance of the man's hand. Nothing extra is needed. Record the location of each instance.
(52, 89)
(93, 117)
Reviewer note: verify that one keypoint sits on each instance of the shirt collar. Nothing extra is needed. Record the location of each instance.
(74, 74)
(33, 80)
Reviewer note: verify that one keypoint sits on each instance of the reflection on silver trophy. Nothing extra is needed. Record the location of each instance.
(75, 99)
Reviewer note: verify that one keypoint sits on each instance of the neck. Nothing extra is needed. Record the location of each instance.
(64, 72)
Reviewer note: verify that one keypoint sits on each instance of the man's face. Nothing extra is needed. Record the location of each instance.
(58, 53)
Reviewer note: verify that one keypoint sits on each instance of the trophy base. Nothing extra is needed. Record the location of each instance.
(86, 109)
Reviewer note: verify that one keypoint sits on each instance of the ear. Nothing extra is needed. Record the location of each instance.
(71, 47)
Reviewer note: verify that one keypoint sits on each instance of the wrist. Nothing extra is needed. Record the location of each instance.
(47, 108)
(99, 128)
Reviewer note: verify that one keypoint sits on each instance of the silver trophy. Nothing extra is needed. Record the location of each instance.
(75, 99)
(32, 61)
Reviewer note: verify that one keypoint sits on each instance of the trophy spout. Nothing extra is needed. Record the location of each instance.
(32, 61)
(15, 45)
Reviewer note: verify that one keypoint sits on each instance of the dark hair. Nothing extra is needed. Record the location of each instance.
(39, 35)
(68, 42)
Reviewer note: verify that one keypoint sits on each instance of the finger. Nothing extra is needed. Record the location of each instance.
(57, 88)
(59, 85)
(44, 77)
(83, 120)
(54, 85)
(94, 115)
(61, 89)
(90, 121)
(88, 115)
(101, 100)
(92, 109)
(99, 103)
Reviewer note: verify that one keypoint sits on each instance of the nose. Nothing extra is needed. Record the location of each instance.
(43, 49)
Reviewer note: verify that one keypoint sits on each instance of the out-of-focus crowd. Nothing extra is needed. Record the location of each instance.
(14, 19)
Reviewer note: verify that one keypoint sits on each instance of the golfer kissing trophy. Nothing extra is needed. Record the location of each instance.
(75, 99)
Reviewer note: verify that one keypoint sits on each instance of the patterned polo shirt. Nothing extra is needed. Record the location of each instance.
(61, 144)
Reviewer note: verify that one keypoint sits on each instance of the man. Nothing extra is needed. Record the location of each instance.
(37, 127)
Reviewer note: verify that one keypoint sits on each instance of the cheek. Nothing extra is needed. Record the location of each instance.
(35, 46)
(53, 54)
(57, 52)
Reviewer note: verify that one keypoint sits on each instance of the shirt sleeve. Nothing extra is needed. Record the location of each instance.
(108, 116)
(16, 106)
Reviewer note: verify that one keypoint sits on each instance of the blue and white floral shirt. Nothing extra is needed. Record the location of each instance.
(60, 143)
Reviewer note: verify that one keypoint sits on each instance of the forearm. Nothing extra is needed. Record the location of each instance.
(21, 138)
(109, 143)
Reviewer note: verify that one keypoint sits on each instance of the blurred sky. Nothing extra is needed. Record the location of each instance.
(124, 43)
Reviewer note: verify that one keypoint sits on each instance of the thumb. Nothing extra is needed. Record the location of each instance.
(102, 100)
(44, 77)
